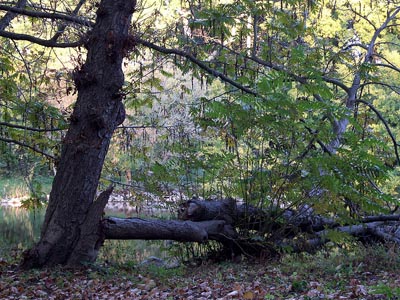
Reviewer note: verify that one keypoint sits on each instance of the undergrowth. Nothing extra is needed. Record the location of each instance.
(358, 272)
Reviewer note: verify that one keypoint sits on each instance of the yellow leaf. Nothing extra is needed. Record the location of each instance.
(248, 295)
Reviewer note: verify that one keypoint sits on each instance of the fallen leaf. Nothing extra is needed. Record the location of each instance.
(249, 295)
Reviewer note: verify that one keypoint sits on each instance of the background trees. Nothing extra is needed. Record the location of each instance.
(315, 69)
(277, 103)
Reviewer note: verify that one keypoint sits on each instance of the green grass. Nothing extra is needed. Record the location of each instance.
(13, 188)
(17, 187)
(341, 262)
(131, 251)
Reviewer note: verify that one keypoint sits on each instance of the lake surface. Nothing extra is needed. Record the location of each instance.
(20, 228)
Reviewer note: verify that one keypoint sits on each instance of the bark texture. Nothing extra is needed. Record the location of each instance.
(241, 215)
(69, 229)
(136, 228)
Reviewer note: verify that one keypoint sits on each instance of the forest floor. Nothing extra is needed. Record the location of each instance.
(366, 273)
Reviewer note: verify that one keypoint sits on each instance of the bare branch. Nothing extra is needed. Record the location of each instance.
(388, 43)
(389, 66)
(145, 126)
(42, 42)
(116, 182)
(394, 88)
(341, 125)
(365, 18)
(301, 79)
(30, 128)
(379, 115)
(46, 15)
(61, 28)
(377, 32)
(351, 45)
(380, 218)
(28, 146)
(197, 62)
(9, 16)
(314, 133)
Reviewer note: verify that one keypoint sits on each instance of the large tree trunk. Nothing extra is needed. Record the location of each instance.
(70, 230)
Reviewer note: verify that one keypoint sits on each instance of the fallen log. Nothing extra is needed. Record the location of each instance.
(183, 231)
(248, 217)
(224, 209)
(381, 231)
(283, 225)
(266, 231)
(198, 210)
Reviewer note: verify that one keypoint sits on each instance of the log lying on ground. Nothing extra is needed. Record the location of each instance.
(381, 231)
(198, 210)
(249, 217)
(286, 226)
(183, 231)
(224, 209)
(224, 221)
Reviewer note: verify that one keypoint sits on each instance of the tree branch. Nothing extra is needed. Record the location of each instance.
(314, 133)
(146, 126)
(53, 15)
(30, 128)
(389, 66)
(386, 126)
(394, 88)
(9, 16)
(298, 78)
(365, 18)
(272, 66)
(61, 27)
(377, 32)
(380, 218)
(341, 125)
(197, 62)
(29, 147)
(42, 42)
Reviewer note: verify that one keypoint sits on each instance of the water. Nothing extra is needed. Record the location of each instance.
(20, 228)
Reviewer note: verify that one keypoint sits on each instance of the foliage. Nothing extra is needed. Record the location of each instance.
(341, 262)
(279, 146)
(297, 115)
(388, 291)
(32, 188)
(12, 188)
(25, 116)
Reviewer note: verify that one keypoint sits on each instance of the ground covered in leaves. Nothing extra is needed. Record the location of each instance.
(367, 273)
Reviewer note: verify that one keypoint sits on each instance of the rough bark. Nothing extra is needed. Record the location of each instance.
(97, 112)
(9, 16)
(91, 236)
(183, 231)
(224, 209)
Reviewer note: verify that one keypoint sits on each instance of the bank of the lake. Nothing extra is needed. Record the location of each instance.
(20, 229)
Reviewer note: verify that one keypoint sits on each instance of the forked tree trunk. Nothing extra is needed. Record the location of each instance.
(70, 231)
